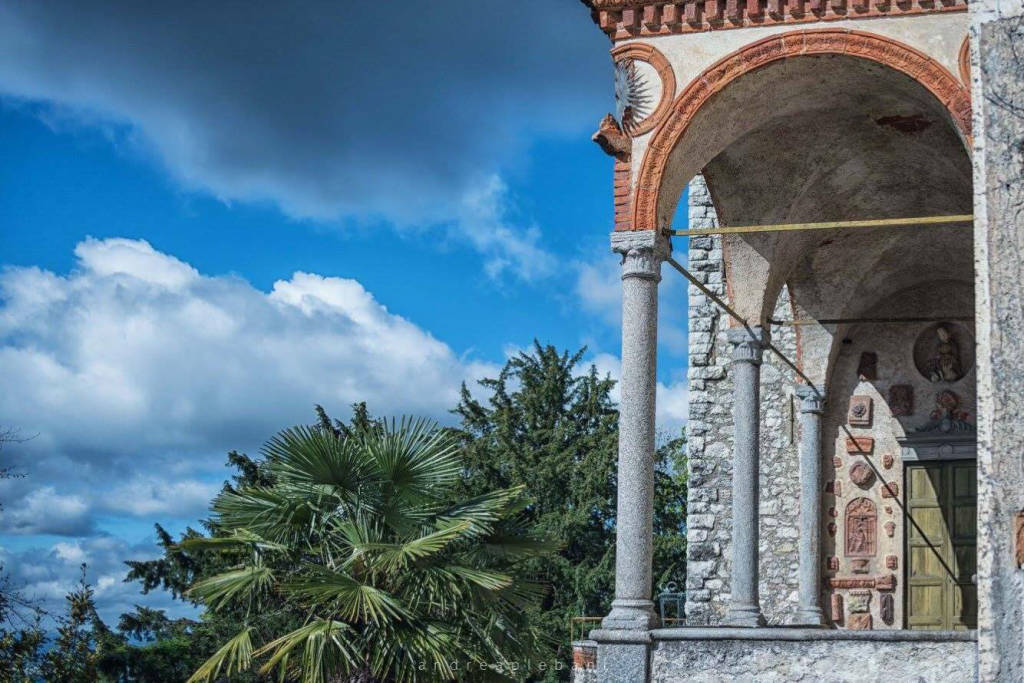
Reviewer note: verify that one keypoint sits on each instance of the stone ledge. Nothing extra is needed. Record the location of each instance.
(806, 634)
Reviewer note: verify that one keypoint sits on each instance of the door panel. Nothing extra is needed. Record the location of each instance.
(942, 555)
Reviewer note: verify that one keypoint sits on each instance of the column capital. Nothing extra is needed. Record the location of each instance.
(811, 401)
(747, 348)
(642, 252)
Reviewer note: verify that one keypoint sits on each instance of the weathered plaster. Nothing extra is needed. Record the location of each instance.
(998, 88)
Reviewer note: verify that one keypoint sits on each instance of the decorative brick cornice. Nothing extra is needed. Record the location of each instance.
(624, 19)
(894, 54)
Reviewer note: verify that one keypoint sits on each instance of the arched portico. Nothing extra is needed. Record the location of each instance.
(807, 126)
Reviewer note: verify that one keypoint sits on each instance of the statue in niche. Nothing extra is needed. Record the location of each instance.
(861, 519)
(944, 363)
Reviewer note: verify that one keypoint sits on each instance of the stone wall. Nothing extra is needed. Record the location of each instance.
(710, 432)
(813, 658)
(997, 31)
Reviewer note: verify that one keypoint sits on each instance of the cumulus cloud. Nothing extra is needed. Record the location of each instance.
(137, 364)
(329, 109)
(46, 574)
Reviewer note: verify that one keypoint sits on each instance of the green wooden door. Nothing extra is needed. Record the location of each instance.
(941, 556)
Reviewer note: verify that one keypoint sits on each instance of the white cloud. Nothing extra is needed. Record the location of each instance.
(599, 291)
(137, 367)
(671, 400)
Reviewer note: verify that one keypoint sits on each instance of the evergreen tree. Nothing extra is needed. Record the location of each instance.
(553, 429)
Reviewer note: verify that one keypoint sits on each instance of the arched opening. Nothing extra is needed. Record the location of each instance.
(833, 126)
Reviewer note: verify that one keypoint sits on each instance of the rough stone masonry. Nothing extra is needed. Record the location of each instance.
(709, 448)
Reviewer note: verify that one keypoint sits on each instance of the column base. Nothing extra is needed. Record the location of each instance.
(810, 617)
(631, 615)
(745, 617)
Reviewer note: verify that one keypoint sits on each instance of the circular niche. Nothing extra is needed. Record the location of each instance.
(944, 352)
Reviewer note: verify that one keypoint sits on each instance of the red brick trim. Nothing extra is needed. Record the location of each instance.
(622, 193)
(964, 61)
(648, 53)
(625, 19)
(929, 73)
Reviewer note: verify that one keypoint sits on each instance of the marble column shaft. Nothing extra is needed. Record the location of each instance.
(744, 606)
(812, 406)
(642, 253)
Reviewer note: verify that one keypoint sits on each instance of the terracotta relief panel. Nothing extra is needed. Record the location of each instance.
(861, 522)
(901, 399)
(860, 411)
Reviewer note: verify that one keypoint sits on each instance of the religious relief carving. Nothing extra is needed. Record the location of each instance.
(887, 461)
(861, 475)
(861, 519)
(830, 487)
(860, 566)
(943, 352)
(947, 417)
(890, 529)
(831, 528)
(832, 512)
(612, 140)
(901, 399)
(867, 367)
(944, 362)
(892, 562)
(890, 489)
(860, 411)
(887, 608)
(860, 444)
(859, 622)
(837, 461)
(832, 563)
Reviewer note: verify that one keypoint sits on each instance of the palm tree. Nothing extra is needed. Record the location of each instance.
(357, 533)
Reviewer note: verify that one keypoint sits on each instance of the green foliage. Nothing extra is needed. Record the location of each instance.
(356, 528)
(553, 429)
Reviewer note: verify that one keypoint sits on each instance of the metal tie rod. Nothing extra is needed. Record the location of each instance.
(832, 225)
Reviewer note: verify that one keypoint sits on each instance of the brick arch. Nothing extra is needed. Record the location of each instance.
(891, 53)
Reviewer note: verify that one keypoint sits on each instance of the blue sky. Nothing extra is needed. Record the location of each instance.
(209, 224)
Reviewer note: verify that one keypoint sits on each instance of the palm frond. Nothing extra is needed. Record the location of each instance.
(326, 650)
(482, 511)
(238, 538)
(354, 601)
(236, 654)
(414, 458)
(307, 456)
(398, 556)
(217, 590)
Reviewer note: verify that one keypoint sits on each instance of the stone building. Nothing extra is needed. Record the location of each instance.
(853, 172)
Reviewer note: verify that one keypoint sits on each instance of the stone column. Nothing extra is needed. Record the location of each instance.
(744, 606)
(642, 253)
(812, 405)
